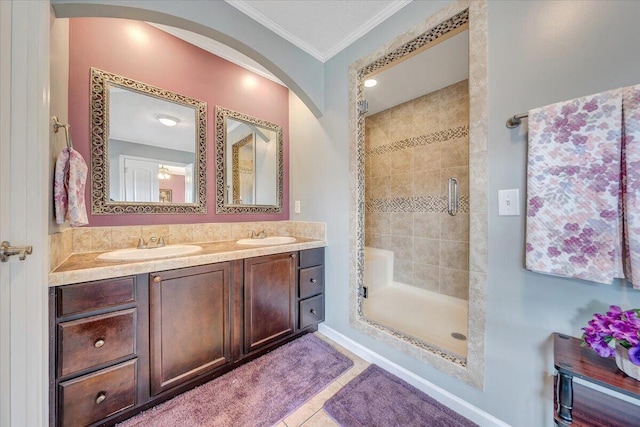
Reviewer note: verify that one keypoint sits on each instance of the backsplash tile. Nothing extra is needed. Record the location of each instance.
(96, 239)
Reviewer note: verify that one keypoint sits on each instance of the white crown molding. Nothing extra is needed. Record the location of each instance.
(366, 27)
(218, 49)
(243, 7)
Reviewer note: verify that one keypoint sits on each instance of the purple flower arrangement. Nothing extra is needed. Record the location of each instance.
(616, 326)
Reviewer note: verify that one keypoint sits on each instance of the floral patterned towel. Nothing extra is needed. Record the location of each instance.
(68, 188)
(573, 188)
(631, 182)
(60, 183)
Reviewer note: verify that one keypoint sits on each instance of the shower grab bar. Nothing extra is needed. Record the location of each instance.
(452, 202)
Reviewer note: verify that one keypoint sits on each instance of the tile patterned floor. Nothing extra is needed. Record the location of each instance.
(311, 413)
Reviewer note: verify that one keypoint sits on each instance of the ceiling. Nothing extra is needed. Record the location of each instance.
(320, 28)
(439, 66)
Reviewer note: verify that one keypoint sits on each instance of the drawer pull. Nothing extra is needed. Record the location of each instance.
(156, 279)
(312, 311)
(98, 343)
(101, 398)
(293, 255)
(314, 280)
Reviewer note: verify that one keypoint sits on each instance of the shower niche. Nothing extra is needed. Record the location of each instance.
(419, 155)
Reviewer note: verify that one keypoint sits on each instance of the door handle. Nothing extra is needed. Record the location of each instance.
(452, 196)
(6, 250)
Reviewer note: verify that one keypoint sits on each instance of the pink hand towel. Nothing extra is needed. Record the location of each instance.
(68, 188)
(77, 213)
(60, 183)
(573, 188)
(631, 181)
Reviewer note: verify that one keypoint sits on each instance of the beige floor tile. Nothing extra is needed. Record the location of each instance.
(338, 347)
(281, 424)
(358, 367)
(320, 419)
(307, 410)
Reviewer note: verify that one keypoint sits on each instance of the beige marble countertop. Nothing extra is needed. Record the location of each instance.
(85, 267)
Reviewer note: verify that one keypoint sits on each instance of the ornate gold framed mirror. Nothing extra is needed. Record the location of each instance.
(249, 164)
(146, 143)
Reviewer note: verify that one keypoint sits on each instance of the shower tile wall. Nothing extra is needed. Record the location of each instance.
(411, 151)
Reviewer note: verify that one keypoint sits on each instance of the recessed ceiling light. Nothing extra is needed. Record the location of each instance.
(370, 82)
(167, 120)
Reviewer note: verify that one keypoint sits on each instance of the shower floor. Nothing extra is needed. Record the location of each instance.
(428, 316)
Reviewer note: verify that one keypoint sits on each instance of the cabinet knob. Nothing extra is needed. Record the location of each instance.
(293, 255)
(314, 281)
(156, 279)
(312, 311)
(99, 343)
(101, 398)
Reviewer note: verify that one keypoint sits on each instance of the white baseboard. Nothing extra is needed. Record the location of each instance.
(448, 399)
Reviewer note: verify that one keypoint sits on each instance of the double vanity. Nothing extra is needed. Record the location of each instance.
(148, 330)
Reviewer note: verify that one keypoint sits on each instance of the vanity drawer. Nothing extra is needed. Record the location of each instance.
(311, 281)
(311, 257)
(92, 397)
(311, 311)
(85, 297)
(95, 340)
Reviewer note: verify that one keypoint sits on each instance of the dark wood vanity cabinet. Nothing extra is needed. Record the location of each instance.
(120, 346)
(310, 288)
(269, 299)
(190, 324)
(95, 352)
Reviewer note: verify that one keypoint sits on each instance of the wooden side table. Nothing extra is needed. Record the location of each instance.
(578, 405)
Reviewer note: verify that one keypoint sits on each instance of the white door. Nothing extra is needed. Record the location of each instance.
(141, 180)
(24, 169)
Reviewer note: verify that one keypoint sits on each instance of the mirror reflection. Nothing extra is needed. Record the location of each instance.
(251, 150)
(148, 148)
(416, 246)
(249, 164)
(152, 148)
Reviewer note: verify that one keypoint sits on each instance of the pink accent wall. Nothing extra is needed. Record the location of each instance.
(141, 52)
(176, 185)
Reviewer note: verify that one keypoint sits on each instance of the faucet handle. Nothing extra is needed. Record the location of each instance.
(141, 243)
(161, 240)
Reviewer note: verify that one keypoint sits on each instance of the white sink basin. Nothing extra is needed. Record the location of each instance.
(146, 254)
(273, 240)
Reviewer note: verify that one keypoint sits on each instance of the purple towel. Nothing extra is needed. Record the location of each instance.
(631, 182)
(573, 188)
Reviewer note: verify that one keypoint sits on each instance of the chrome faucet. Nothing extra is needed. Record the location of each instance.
(141, 243)
(154, 242)
(259, 235)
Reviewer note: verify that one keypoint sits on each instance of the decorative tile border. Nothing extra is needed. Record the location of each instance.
(418, 343)
(422, 40)
(418, 141)
(415, 204)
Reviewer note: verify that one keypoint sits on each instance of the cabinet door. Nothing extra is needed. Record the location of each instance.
(189, 323)
(269, 298)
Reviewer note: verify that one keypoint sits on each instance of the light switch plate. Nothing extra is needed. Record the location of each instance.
(296, 208)
(509, 202)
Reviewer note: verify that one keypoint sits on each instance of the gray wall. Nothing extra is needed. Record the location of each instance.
(539, 53)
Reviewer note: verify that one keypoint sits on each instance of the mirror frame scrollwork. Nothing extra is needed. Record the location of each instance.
(100, 202)
(221, 151)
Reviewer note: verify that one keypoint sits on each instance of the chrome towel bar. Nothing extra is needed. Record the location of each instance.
(56, 127)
